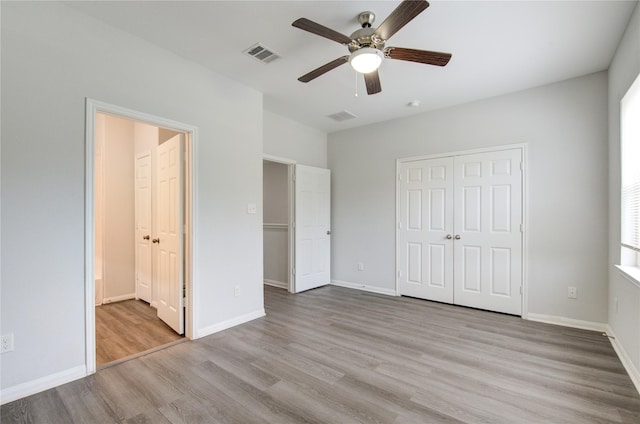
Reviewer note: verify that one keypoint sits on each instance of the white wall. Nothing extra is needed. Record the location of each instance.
(565, 127)
(286, 138)
(625, 321)
(52, 59)
(119, 223)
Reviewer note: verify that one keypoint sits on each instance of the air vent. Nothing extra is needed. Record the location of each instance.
(345, 115)
(261, 53)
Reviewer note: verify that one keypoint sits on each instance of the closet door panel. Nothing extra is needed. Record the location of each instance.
(425, 255)
(488, 240)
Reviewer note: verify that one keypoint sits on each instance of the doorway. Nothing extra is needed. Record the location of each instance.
(134, 206)
(116, 217)
(296, 225)
(276, 218)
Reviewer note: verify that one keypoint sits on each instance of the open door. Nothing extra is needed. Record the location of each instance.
(143, 211)
(169, 241)
(312, 227)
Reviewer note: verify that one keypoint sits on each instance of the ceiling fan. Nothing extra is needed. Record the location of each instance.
(367, 45)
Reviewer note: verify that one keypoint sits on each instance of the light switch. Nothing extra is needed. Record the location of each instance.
(252, 208)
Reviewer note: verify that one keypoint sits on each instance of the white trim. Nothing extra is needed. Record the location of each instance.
(464, 152)
(364, 287)
(274, 283)
(118, 298)
(278, 159)
(41, 384)
(525, 202)
(215, 328)
(569, 322)
(631, 273)
(627, 363)
(93, 107)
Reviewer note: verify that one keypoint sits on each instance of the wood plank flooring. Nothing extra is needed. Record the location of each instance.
(335, 355)
(128, 328)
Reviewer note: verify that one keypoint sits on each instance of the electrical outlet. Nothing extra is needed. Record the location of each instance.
(572, 293)
(360, 266)
(236, 291)
(6, 343)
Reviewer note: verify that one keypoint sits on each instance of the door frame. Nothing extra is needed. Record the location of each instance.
(291, 235)
(190, 207)
(525, 201)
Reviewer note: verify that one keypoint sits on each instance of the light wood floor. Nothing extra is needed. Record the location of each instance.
(128, 328)
(335, 355)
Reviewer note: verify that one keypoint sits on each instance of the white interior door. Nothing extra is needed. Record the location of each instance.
(143, 208)
(488, 232)
(425, 228)
(169, 240)
(460, 230)
(312, 227)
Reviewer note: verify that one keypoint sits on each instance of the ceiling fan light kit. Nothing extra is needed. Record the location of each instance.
(366, 59)
(367, 45)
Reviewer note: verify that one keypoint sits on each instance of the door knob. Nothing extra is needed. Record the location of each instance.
(457, 237)
(145, 237)
(328, 232)
(449, 237)
(156, 240)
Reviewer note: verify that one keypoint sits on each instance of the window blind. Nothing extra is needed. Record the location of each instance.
(630, 167)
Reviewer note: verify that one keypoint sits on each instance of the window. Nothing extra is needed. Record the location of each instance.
(630, 175)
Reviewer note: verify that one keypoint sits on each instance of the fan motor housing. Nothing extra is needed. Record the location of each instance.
(364, 37)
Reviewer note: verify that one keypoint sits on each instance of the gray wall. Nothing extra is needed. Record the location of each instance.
(52, 59)
(625, 320)
(565, 128)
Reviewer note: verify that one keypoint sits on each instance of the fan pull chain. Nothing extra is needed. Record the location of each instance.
(356, 83)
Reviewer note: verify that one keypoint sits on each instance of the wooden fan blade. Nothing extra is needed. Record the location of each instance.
(321, 30)
(372, 81)
(420, 56)
(402, 15)
(323, 69)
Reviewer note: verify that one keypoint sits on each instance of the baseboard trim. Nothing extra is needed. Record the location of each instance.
(568, 322)
(624, 358)
(274, 283)
(118, 298)
(364, 287)
(41, 384)
(215, 328)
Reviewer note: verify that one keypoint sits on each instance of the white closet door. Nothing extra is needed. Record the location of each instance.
(487, 220)
(143, 227)
(169, 241)
(425, 228)
(312, 227)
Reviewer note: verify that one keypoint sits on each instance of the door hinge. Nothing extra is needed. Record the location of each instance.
(521, 166)
(293, 224)
(400, 225)
(399, 177)
(520, 289)
(293, 271)
(399, 273)
(293, 178)
(522, 228)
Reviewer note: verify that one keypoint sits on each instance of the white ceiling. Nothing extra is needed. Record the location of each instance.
(497, 46)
